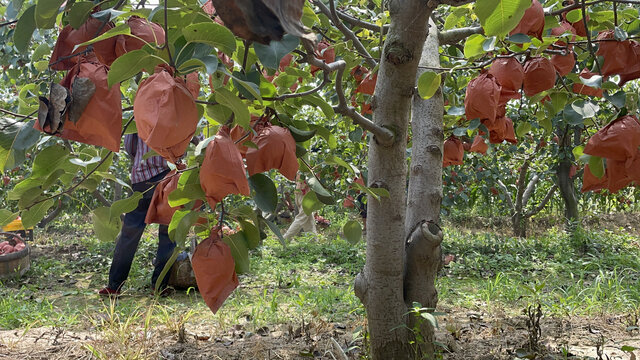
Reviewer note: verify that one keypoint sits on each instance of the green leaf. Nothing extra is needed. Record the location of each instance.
(586, 109)
(276, 230)
(208, 63)
(42, 50)
(499, 17)
(596, 165)
(264, 192)
(239, 251)
(212, 34)
(428, 84)
(186, 194)
(6, 217)
(251, 234)
(48, 160)
(167, 267)
(317, 187)
(352, 231)
(79, 13)
(571, 116)
(240, 110)
(122, 29)
(24, 29)
(301, 135)
(489, 44)
(334, 160)
(15, 139)
(325, 134)
(46, 13)
(33, 216)
(126, 205)
(310, 203)
(180, 224)
(316, 100)
(131, 63)
(619, 99)
(473, 45)
(270, 55)
(558, 101)
(523, 128)
(574, 15)
(105, 226)
(578, 151)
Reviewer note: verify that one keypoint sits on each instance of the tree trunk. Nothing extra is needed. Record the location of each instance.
(423, 252)
(380, 285)
(519, 224)
(568, 192)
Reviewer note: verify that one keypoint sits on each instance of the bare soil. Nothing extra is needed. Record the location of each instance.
(464, 334)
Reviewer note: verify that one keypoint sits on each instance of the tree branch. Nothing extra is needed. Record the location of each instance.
(324, 82)
(530, 188)
(521, 185)
(455, 35)
(456, 2)
(383, 135)
(19, 116)
(507, 195)
(333, 15)
(543, 203)
(361, 23)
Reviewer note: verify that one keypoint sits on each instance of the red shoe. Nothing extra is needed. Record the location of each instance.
(106, 291)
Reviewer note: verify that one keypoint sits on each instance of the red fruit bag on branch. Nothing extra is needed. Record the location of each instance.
(214, 269)
(482, 98)
(620, 57)
(193, 84)
(619, 140)
(532, 22)
(368, 84)
(144, 30)
(479, 145)
(539, 75)
(453, 152)
(70, 37)
(324, 52)
(160, 212)
(509, 74)
(100, 122)
(166, 113)
(592, 183)
(580, 88)
(563, 63)
(617, 176)
(563, 29)
(222, 171)
(276, 150)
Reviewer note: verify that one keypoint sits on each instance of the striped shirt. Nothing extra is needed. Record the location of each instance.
(142, 169)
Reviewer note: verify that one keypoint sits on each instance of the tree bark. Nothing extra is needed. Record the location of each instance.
(424, 197)
(380, 285)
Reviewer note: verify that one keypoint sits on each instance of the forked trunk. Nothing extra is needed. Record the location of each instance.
(380, 285)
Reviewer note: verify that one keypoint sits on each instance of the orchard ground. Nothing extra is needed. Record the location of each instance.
(296, 300)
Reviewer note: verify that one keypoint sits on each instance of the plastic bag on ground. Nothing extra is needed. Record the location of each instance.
(276, 150)
(222, 171)
(166, 114)
(214, 268)
(482, 98)
(453, 152)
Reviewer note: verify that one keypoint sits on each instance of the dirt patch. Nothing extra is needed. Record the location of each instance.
(465, 334)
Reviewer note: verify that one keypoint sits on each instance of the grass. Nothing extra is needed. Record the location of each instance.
(587, 274)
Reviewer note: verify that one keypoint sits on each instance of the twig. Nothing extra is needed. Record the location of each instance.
(166, 36)
(340, 353)
(456, 35)
(543, 202)
(246, 55)
(85, 177)
(353, 21)
(204, 102)
(333, 15)
(19, 116)
(8, 23)
(577, 5)
(586, 30)
(324, 82)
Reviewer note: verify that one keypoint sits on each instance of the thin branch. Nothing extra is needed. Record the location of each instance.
(166, 35)
(456, 35)
(586, 30)
(324, 82)
(507, 195)
(361, 23)
(530, 189)
(543, 202)
(19, 116)
(141, 4)
(456, 2)
(204, 102)
(333, 15)
(8, 23)
(85, 177)
(578, 4)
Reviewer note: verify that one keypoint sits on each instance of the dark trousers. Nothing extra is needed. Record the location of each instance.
(132, 229)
